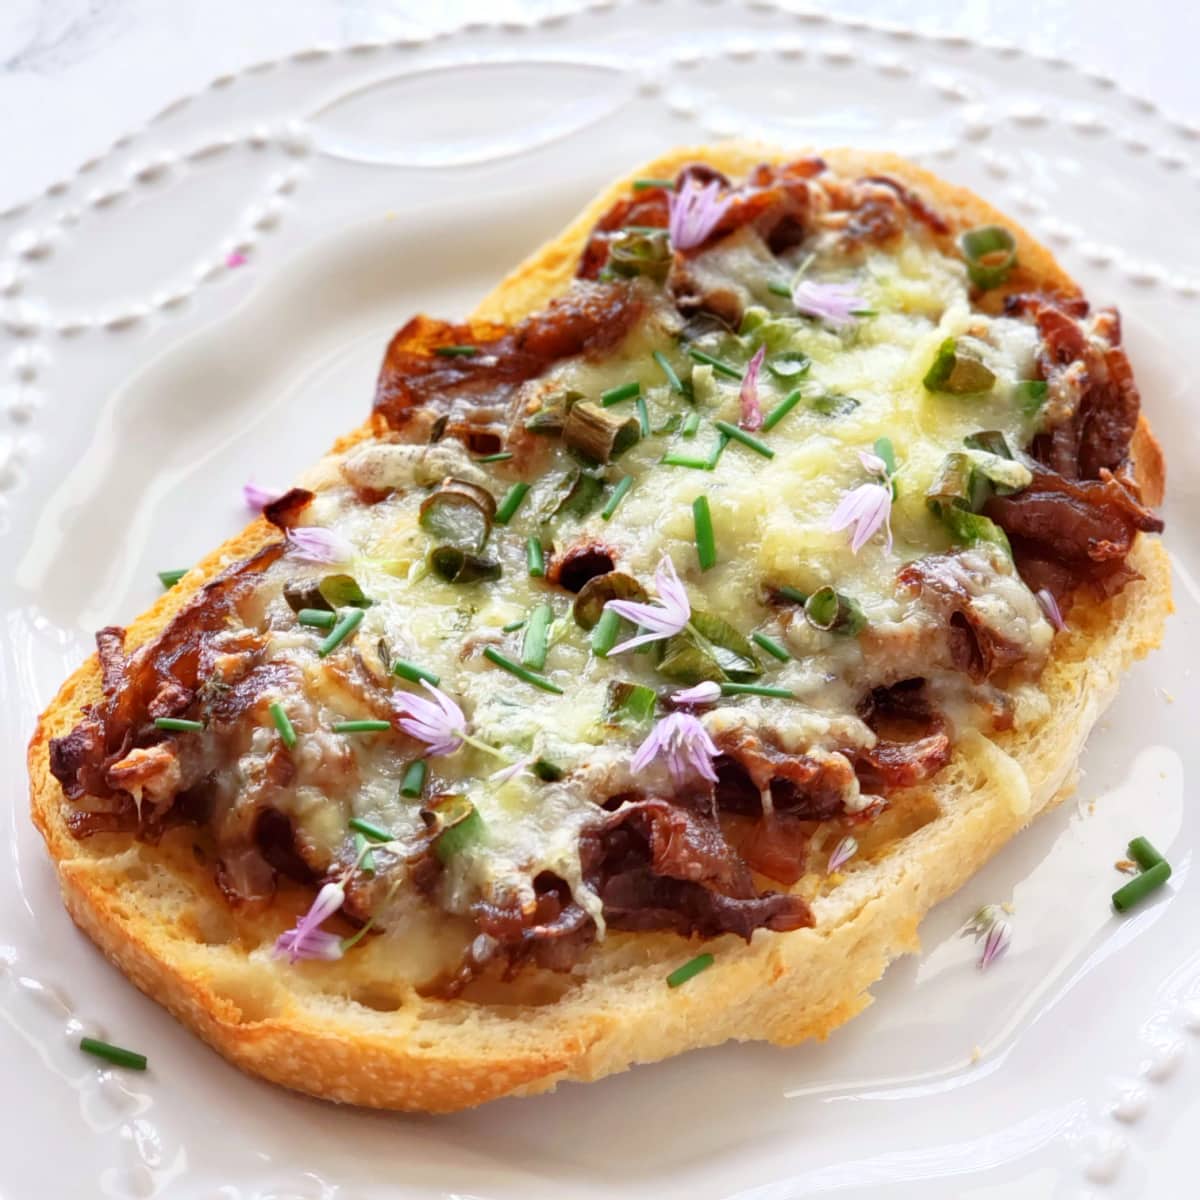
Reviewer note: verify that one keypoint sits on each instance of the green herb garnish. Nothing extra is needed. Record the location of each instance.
(536, 641)
(413, 673)
(318, 618)
(539, 681)
(287, 731)
(116, 1055)
(721, 367)
(747, 439)
(512, 501)
(373, 833)
(771, 646)
(624, 391)
(364, 726)
(170, 578)
(782, 409)
(618, 494)
(991, 252)
(535, 556)
(689, 970)
(669, 372)
(457, 351)
(347, 623)
(178, 725)
(413, 783)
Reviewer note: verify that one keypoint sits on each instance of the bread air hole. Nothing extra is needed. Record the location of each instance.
(251, 996)
(379, 997)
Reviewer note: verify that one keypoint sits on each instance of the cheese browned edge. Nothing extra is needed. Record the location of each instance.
(157, 914)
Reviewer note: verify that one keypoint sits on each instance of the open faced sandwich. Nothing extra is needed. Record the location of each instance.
(670, 637)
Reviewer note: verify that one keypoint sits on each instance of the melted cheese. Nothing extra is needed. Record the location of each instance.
(771, 519)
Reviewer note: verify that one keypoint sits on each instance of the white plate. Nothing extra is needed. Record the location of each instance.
(144, 379)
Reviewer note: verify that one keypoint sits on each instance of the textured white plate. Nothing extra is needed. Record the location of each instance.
(142, 379)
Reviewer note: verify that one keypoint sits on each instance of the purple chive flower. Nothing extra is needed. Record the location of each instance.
(664, 617)
(311, 543)
(307, 939)
(683, 744)
(752, 414)
(695, 211)
(512, 770)
(866, 507)
(1050, 608)
(989, 923)
(439, 722)
(702, 693)
(257, 498)
(236, 259)
(843, 852)
(837, 304)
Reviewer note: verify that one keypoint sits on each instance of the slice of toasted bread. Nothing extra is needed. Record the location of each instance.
(345, 1031)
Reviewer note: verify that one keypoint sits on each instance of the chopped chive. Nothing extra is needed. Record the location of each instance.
(779, 289)
(604, 633)
(795, 595)
(535, 556)
(747, 439)
(413, 783)
(287, 731)
(116, 1055)
(771, 646)
(669, 372)
(1138, 888)
(413, 673)
(642, 185)
(755, 689)
(513, 626)
(523, 673)
(510, 503)
(319, 618)
(626, 391)
(691, 424)
(363, 856)
(781, 410)
(457, 351)
(721, 367)
(689, 970)
(717, 451)
(1144, 854)
(499, 456)
(645, 230)
(618, 494)
(170, 578)
(536, 640)
(643, 414)
(367, 726)
(706, 545)
(670, 459)
(347, 623)
(178, 725)
(373, 833)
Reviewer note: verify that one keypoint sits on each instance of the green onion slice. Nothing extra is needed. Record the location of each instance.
(690, 970)
(178, 725)
(629, 703)
(538, 681)
(788, 365)
(457, 566)
(460, 514)
(1031, 396)
(618, 494)
(1141, 886)
(347, 623)
(413, 783)
(640, 250)
(706, 544)
(833, 612)
(536, 641)
(457, 821)
(958, 372)
(991, 253)
(116, 1055)
(604, 633)
(318, 618)
(601, 435)
(170, 578)
(1144, 854)
(287, 731)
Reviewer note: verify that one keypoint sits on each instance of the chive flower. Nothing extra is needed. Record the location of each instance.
(1050, 607)
(512, 770)
(702, 693)
(837, 304)
(307, 939)
(867, 507)
(843, 852)
(752, 414)
(257, 498)
(989, 924)
(694, 213)
(683, 744)
(661, 619)
(313, 544)
(439, 722)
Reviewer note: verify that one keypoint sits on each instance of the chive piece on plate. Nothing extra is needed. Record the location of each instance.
(781, 410)
(178, 725)
(116, 1055)
(536, 641)
(170, 578)
(523, 673)
(287, 731)
(457, 351)
(366, 726)
(689, 970)
(771, 646)
(618, 494)
(721, 367)
(706, 545)
(413, 783)
(535, 556)
(625, 391)
(1138, 888)
(604, 633)
(1144, 854)
(347, 623)
(510, 503)
(318, 618)
(413, 673)
(747, 439)
(373, 833)
(669, 372)
(755, 689)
